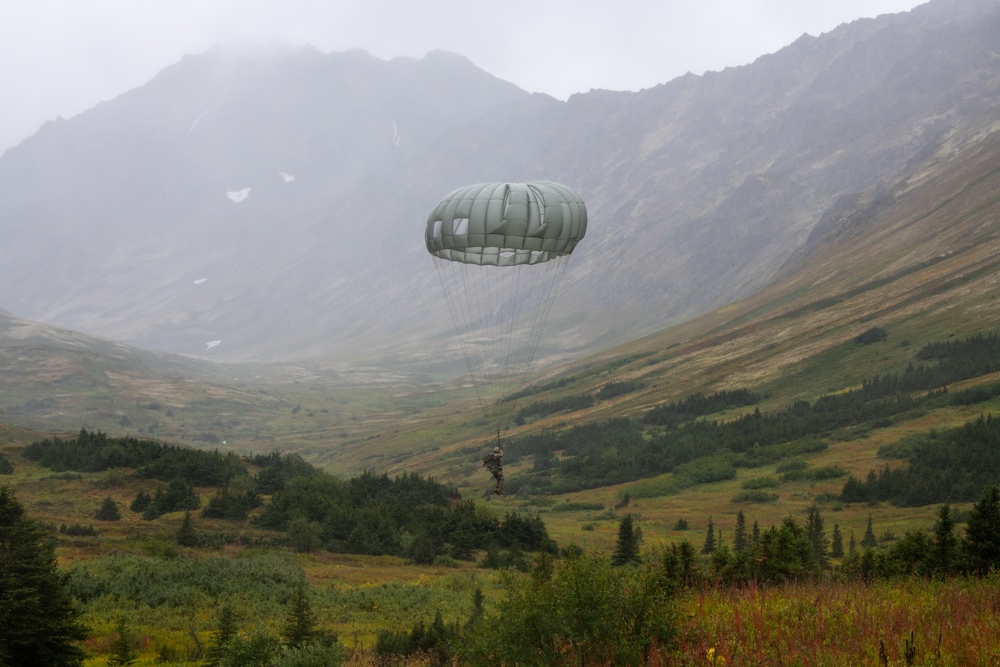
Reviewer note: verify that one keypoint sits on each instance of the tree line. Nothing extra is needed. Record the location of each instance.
(407, 515)
(677, 435)
(947, 465)
(92, 451)
(791, 550)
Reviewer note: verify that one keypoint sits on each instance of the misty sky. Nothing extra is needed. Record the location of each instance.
(61, 57)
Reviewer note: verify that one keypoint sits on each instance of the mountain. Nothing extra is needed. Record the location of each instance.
(916, 257)
(268, 203)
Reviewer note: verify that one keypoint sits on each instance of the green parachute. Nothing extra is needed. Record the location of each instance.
(501, 250)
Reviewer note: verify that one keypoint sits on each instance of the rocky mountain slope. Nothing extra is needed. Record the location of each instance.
(270, 203)
(917, 257)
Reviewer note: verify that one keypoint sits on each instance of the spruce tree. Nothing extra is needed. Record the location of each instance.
(186, 536)
(709, 546)
(300, 624)
(627, 544)
(817, 536)
(121, 648)
(109, 511)
(945, 545)
(477, 608)
(868, 540)
(38, 623)
(225, 630)
(688, 562)
(837, 543)
(740, 540)
(982, 533)
(141, 502)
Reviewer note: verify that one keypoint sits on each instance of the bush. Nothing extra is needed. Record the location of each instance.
(872, 335)
(582, 607)
(659, 486)
(760, 483)
(755, 497)
(577, 507)
(707, 469)
(814, 474)
(78, 530)
(619, 388)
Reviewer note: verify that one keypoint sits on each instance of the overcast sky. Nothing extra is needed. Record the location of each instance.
(61, 57)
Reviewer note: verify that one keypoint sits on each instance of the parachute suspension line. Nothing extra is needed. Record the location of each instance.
(546, 286)
(503, 316)
(516, 352)
(499, 316)
(482, 238)
(459, 303)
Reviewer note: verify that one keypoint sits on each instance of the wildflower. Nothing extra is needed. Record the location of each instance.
(714, 659)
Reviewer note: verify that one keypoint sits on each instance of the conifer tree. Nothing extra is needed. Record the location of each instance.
(710, 545)
(477, 608)
(141, 502)
(300, 624)
(945, 544)
(186, 537)
(225, 630)
(688, 562)
(108, 511)
(627, 544)
(38, 623)
(121, 648)
(982, 532)
(817, 536)
(740, 541)
(837, 543)
(868, 540)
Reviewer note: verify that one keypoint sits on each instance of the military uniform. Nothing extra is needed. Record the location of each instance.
(494, 463)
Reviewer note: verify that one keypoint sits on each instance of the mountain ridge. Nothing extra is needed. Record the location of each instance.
(700, 189)
(916, 258)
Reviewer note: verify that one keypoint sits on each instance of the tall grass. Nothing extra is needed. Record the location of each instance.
(844, 624)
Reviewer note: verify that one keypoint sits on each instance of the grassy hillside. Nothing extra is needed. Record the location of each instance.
(917, 258)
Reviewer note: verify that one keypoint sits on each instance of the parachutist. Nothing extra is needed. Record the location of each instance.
(494, 463)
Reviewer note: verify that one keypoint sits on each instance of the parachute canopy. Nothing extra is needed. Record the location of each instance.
(501, 250)
(507, 224)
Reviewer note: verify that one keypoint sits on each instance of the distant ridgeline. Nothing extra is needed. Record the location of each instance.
(676, 438)
(370, 514)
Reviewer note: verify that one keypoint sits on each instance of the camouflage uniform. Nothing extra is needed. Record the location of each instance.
(494, 463)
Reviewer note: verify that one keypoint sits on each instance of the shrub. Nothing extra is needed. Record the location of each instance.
(872, 335)
(755, 497)
(760, 483)
(582, 607)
